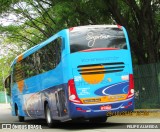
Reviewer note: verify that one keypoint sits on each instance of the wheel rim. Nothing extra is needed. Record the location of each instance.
(48, 115)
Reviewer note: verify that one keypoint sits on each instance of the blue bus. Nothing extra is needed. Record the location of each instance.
(83, 72)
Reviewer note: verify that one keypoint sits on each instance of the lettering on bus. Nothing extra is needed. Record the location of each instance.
(92, 38)
(100, 59)
(84, 91)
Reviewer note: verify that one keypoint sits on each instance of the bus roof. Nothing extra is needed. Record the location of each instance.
(95, 26)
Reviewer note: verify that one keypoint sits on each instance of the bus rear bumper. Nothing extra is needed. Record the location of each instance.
(95, 110)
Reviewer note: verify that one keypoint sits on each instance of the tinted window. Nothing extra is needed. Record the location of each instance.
(45, 59)
(89, 38)
(18, 72)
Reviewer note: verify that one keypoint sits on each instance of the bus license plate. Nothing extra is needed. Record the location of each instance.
(106, 107)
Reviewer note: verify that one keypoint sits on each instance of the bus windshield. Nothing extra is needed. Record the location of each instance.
(101, 38)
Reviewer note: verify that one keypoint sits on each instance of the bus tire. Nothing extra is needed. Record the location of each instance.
(20, 118)
(98, 119)
(48, 116)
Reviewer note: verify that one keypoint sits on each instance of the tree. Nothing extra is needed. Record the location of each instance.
(142, 20)
(43, 18)
(4, 70)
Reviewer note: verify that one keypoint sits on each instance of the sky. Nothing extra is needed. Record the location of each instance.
(10, 19)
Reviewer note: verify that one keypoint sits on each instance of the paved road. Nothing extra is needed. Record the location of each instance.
(112, 124)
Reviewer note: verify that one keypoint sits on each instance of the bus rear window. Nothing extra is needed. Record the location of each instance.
(84, 38)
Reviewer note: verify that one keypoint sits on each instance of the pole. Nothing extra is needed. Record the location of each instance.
(4, 87)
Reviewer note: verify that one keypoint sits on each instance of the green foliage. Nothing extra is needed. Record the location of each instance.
(5, 5)
(4, 70)
(150, 105)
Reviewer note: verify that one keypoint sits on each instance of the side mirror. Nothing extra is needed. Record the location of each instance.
(7, 82)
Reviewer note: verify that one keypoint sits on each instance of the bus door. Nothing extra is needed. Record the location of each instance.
(61, 102)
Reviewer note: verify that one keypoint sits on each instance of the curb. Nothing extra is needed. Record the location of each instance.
(149, 110)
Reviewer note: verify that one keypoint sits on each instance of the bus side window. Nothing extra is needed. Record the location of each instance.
(18, 73)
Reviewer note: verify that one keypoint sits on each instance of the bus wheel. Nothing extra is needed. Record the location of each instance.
(98, 119)
(48, 116)
(20, 118)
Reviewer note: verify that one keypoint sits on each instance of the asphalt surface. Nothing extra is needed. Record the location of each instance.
(117, 122)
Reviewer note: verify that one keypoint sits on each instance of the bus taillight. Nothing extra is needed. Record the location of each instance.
(73, 97)
(131, 86)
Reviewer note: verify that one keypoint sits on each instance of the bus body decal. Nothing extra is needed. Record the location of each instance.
(20, 85)
(93, 78)
(20, 57)
(119, 88)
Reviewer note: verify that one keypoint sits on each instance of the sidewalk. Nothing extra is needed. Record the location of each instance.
(5, 106)
(150, 110)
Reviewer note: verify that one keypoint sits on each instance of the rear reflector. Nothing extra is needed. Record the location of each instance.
(130, 103)
(80, 109)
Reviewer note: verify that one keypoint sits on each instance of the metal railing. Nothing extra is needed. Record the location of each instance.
(147, 86)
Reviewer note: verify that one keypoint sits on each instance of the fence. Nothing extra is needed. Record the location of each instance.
(2, 97)
(147, 86)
